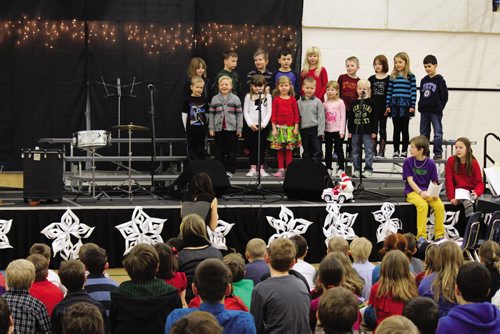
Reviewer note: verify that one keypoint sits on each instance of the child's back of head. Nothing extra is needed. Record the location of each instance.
(300, 246)
(84, 248)
(168, 262)
(256, 249)
(72, 274)
(236, 264)
(95, 259)
(211, 279)
(361, 249)
(41, 266)
(198, 322)
(352, 280)
(473, 282)
(42, 249)
(424, 313)
(338, 310)
(412, 242)
(331, 272)
(6, 324)
(397, 324)
(338, 244)
(20, 274)
(281, 253)
(141, 263)
(82, 318)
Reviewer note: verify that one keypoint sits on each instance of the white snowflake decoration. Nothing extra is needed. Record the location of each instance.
(338, 224)
(450, 219)
(141, 229)
(217, 237)
(68, 227)
(5, 226)
(387, 225)
(286, 225)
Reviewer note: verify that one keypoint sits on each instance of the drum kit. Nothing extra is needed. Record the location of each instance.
(91, 140)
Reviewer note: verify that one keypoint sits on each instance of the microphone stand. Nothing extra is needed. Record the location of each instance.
(360, 189)
(153, 134)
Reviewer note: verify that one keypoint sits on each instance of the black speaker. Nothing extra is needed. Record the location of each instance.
(214, 168)
(305, 180)
(43, 174)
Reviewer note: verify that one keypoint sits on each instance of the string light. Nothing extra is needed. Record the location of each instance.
(153, 38)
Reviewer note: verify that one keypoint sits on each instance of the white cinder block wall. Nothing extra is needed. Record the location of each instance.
(464, 35)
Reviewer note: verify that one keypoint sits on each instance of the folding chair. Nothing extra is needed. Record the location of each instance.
(471, 235)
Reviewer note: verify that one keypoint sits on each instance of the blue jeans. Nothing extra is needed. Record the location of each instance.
(356, 158)
(426, 119)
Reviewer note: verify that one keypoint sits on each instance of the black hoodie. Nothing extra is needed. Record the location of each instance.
(433, 94)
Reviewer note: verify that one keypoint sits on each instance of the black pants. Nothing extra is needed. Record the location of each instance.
(381, 122)
(401, 129)
(333, 138)
(226, 146)
(311, 144)
(252, 141)
(196, 144)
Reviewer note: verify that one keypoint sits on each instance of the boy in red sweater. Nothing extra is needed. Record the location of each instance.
(42, 289)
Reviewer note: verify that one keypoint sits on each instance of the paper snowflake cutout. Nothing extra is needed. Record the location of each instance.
(5, 226)
(286, 225)
(217, 237)
(64, 232)
(387, 225)
(338, 224)
(450, 219)
(141, 229)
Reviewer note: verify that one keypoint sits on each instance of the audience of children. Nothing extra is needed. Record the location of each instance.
(212, 282)
(200, 199)
(44, 250)
(335, 126)
(242, 287)
(433, 99)
(418, 172)
(284, 136)
(440, 285)
(379, 84)
(83, 318)
(352, 280)
(42, 289)
(168, 270)
(225, 123)
(280, 304)
(431, 263)
(256, 267)
(312, 121)
(463, 173)
(394, 241)
(489, 254)
(337, 312)
(257, 106)
(424, 313)
(397, 324)
(473, 314)
(417, 265)
(304, 268)
(361, 125)
(361, 249)
(198, 322)
(28, 313)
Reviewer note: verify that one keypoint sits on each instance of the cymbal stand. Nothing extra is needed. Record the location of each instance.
(92, 186)
(130, 182)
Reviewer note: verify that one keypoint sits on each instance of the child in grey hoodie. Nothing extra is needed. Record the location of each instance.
(312, 121)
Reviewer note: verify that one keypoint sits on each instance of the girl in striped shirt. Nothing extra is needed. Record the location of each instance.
(400, 102)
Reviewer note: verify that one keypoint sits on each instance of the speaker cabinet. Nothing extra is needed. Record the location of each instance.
(305, 180)
(43, 174)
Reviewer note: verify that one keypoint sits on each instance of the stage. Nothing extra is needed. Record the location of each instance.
(248, 214)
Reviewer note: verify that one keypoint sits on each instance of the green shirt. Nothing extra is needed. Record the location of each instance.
(151, 288)
(243, 289)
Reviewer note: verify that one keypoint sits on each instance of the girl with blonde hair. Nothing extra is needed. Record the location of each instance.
(313, 68)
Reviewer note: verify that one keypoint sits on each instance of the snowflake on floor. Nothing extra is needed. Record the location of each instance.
(64, 232)
(5, 226)
(450, 219)
(338, 224)
(387, 225)
(217, 237)
(287, 225)
(141, 229)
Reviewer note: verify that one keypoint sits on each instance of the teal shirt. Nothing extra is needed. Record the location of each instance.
(153, 287)
(243, 289)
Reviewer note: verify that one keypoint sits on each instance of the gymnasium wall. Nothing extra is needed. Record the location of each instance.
(464, 35)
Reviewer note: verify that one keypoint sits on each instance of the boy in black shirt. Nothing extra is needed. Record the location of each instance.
(360, 122)
(433, 98)
(194, 117)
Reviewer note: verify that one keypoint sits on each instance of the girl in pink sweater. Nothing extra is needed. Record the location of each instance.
(334, 127)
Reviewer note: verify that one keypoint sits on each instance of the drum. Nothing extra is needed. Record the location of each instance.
(91, 139)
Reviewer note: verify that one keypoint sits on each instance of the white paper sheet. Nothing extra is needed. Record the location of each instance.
(434, 189)
(461, 193)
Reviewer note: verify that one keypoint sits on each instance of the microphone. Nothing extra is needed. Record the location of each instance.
(151, 87)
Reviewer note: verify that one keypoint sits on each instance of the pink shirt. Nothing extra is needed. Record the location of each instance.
(335, 116)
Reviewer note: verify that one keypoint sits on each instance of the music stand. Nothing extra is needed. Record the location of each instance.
(119, 96)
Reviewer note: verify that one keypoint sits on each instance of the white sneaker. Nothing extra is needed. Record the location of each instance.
(263, 173)
(252, 172)
(229, 174)
(368, 173)
(339, 172)
(355, 174)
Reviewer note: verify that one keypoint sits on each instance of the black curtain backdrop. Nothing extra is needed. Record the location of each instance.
(250, 222)
(54, 51)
